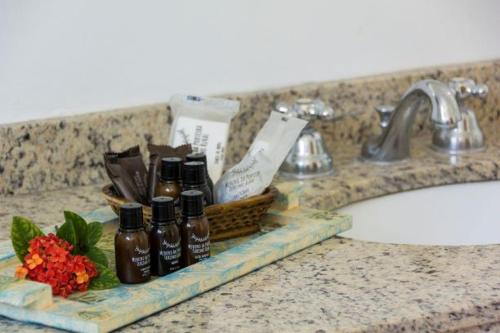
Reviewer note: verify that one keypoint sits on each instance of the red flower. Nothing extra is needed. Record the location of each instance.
(21, 272)
(49, 260)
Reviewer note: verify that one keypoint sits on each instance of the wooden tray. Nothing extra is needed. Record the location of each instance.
(282, 233)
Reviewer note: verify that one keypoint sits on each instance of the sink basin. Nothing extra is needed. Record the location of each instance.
(463, 214)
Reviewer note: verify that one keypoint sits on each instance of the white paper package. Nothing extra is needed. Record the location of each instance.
(256, 170)
(203, 123)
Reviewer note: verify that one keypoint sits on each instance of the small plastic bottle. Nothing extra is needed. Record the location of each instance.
(195, 229)
(164, 237)
(170, 174)
(132, 252)
(201, 157)
(194, 178)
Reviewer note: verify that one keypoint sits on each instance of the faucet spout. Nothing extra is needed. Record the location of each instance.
(394, 142)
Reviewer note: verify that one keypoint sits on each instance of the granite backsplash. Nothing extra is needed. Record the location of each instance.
(50, 154)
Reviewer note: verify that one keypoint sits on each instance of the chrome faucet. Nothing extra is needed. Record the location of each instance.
(447, 114)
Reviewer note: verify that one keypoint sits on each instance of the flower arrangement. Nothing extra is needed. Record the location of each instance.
(69, 260)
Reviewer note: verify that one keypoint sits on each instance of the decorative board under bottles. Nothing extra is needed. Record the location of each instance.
(282, 233)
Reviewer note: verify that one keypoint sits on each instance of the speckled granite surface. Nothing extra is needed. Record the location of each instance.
(72, 147)
(56, 153)
(340, 284)
(46, 208)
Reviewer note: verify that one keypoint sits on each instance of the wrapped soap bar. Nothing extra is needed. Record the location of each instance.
(256, 170)
(203, 123)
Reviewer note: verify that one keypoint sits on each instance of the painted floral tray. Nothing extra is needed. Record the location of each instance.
(282, 233)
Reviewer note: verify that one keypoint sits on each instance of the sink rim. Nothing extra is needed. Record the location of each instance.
(461, 224)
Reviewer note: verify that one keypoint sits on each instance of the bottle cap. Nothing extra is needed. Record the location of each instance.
(131, 216)
(194, 173)
(170, 168)
(197, 157)
(192, 203)
(163, 210)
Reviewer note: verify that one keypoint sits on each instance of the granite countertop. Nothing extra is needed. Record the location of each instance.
(336, 285)
(339, 284)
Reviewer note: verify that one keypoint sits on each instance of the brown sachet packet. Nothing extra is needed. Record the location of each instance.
(119, 178)
(128, 173)
(156, 153)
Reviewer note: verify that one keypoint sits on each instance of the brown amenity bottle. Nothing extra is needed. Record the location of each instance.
(195, 230)
(201, 157)
(170, 175)
(132, 252)
(194, 178)
(164, 237)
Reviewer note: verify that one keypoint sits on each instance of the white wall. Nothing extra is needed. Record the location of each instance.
(66, 57)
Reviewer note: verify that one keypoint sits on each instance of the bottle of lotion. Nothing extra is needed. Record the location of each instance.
(195, 230)
(132, 252)
(194, 178)
(164, 237)
(201, 157)
(170, 174)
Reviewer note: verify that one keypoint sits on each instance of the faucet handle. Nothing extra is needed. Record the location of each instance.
(307, 109)
(310, 109)
(465, 88)
(385, 114)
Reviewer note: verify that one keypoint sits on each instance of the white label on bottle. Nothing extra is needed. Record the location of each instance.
(200, 247)
(170, 251)
(142, 260)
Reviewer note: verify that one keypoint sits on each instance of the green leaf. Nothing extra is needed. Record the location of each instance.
(107, 279)
(94, 233)
(81, 231)
(97, 256)
(21, 232)
(68, 233)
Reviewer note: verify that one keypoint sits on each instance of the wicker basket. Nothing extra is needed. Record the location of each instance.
(228, 220)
